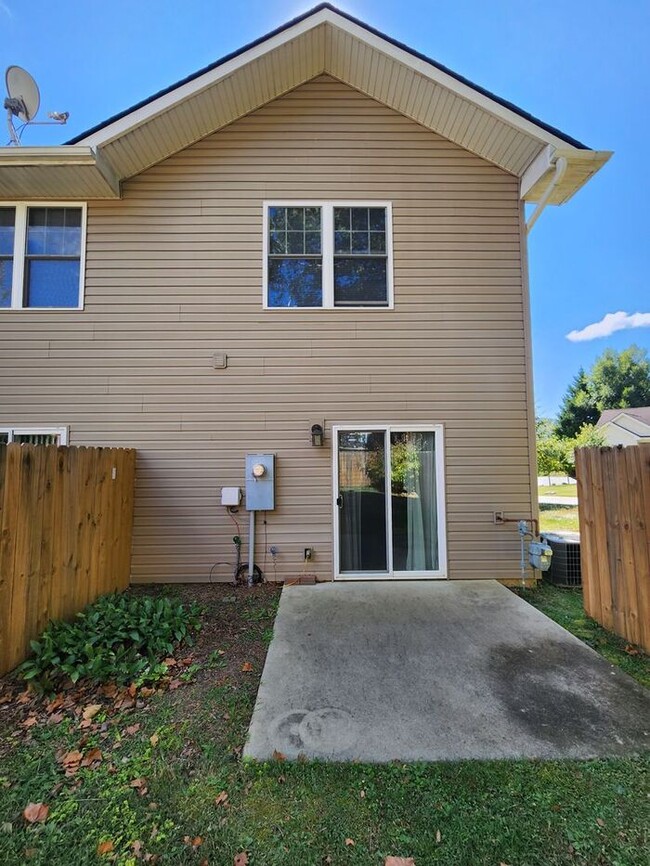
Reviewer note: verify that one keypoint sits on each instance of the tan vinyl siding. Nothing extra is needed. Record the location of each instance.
(174, 275)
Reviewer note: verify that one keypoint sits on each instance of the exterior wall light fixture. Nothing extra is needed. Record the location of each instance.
(317, 435)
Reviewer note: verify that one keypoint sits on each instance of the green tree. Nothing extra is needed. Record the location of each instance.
(621, 380)
(550, 455)
(578, 407)
(617, 380)
(588, 437)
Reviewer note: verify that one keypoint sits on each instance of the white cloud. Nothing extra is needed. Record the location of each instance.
(610, 323)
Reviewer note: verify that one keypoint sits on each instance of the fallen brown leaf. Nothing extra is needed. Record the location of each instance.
(221, 799)
(194, 841)
(91, 711)
(105, 847)
(30, 722)
(174, 684)
(94, 756)
(241, 859)
(631, 650)
(279, 756)
(153, 739)
(146, 692)
(170, 662)
(138, 783)
(71, 761)
(247, 667)
(137, 847)
(399, 861)
(54, 704)
(350, 842)
(109, 690)
(36, 813)
(600, 822)
(132, 729)
(438, 836)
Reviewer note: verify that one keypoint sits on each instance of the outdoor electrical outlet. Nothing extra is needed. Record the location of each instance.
(498, 517)
(309, 552)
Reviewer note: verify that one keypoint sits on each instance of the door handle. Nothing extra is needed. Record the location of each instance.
(339, 501)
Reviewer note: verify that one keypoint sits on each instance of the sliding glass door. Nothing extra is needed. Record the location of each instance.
(389, 515)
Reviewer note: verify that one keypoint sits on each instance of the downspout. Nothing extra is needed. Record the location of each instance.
(560, 168)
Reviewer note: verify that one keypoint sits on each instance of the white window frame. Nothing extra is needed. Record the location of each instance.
(20, 251)
(12, 432)
(441, 572)
(327, 251)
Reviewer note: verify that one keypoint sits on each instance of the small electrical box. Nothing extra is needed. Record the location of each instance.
(260, 482)
(231, 496)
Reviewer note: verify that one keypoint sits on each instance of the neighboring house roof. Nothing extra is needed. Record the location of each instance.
(322, 41)
(640, 413)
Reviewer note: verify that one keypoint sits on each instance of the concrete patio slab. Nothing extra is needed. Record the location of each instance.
(436, 671)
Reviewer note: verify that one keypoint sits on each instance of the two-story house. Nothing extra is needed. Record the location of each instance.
(325, 229)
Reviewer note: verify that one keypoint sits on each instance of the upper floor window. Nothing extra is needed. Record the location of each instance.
(320, 254)
(41, 256)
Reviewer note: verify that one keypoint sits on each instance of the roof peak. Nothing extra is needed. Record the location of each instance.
(314, 11)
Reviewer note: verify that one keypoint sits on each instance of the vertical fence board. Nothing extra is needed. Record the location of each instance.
(599, 539)
(614, 497)
(586, 518)
(628, 600)
(643, 543)
(65, 535)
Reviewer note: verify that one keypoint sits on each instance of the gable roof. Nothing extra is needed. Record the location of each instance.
(323, 40)
(641, 413)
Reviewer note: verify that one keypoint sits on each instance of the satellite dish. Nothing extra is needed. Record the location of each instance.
(22, 88)
(23, 101)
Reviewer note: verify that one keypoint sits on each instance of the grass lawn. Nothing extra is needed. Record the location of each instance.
(565, 607)
(559, 490)
(562, 517)
(170, 787)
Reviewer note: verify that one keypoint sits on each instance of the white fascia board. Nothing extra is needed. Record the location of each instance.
(323, 16)
(168, 100)
(540, 165)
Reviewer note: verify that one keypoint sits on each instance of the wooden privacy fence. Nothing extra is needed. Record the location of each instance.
(66, 517)
(614, 497)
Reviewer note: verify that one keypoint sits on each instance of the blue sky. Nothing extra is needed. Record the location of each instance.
(582, 66)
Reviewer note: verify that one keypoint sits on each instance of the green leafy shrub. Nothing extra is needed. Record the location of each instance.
(117, 637)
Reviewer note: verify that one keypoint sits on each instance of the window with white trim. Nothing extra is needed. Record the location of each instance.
(42, 255)
(327, 254)
(34, 435)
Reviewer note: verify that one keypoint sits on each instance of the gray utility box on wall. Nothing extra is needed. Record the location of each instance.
(260, 482)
